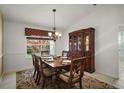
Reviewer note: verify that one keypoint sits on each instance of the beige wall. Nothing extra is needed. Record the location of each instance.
(0, 44)
(14, 50)
(105, 19)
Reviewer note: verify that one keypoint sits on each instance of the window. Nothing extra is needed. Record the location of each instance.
(37, 41)
(41, 47)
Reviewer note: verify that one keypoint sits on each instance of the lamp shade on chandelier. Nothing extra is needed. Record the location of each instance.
(54, 35)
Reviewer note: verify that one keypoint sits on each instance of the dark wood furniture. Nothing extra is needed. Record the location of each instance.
(65, 53)
(57, 67)
(81, 43)
(76, 72)
(36, 67)
(40, 70)
(58, 64)
(33, 60)
(43, 72)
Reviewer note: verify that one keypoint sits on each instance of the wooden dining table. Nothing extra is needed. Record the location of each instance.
(56, 65)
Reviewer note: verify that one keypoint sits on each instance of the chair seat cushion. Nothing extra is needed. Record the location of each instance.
(66, 76)
(47, 72)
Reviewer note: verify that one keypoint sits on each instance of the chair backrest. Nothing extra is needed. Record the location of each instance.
(65, 53)
(40, 65)
(77, 67)
(33, 58)
(35, 62)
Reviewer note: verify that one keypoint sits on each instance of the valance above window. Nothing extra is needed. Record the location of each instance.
(35, 32)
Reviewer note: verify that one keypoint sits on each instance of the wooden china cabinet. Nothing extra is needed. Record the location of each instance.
(81, 43)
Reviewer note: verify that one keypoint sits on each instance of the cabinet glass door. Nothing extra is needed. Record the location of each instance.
(79, 43)
(70, 43)
(75, 43)
(87, 43)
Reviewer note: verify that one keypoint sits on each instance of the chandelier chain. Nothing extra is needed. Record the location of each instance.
(54, 28)
(54, 35)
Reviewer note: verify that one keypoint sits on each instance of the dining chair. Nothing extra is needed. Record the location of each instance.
(43, 72)
(34, 60)
(36, 67)
(65, 53)
(75, 74)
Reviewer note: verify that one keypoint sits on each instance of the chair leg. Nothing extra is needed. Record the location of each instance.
(46, 81)
(34, 73)
(70, 85)
(80, 83)
(39, 77)
(43, 83)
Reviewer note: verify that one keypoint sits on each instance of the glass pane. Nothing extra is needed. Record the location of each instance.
(70, 43)
(45, 48)
(75, 43)
(79, 43)
(41, 47)
(52, 47)
(87, 43)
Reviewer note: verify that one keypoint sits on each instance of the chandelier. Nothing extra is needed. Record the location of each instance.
(54, 35)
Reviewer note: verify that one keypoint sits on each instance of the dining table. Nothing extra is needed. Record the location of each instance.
(57, 65)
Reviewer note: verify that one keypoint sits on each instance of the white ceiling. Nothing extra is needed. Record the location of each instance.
(42, 15)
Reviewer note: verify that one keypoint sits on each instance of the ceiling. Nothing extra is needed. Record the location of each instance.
(42, 14)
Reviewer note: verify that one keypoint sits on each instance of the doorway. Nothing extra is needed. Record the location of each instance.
(121, 51)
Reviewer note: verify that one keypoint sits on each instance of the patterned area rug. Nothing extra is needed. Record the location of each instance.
(24, 80)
